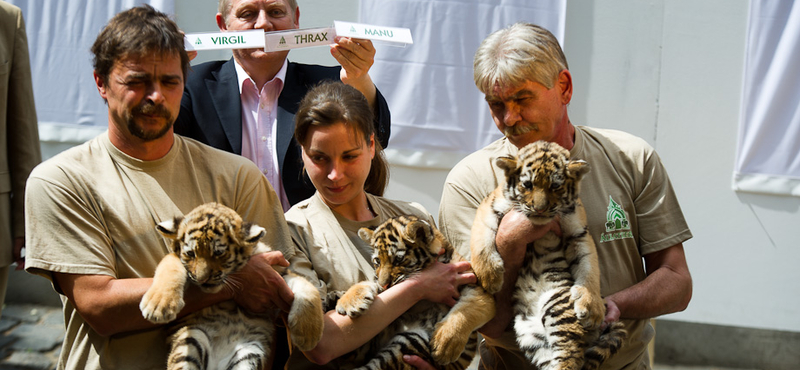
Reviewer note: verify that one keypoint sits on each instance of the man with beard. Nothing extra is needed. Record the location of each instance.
(91, 211)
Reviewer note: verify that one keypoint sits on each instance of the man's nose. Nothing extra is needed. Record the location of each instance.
(156, 95)
(263, 22)
(511, 116)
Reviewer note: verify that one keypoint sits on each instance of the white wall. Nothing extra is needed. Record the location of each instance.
(669, 71)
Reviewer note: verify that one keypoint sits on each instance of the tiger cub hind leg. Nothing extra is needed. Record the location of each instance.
(222, 336)
(607, 345)
(190, 349)
(474, 309)
(548, 330)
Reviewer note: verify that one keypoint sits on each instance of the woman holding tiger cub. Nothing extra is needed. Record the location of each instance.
(345, 163)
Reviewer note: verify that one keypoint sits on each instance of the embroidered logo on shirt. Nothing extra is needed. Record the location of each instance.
(617, 224)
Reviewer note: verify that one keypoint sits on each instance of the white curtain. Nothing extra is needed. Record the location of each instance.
(768, 157)
(60, 34)
(438, 115)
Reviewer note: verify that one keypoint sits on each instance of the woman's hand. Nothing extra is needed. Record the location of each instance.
(439, 282)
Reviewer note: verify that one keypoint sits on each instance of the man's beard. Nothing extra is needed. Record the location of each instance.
(149, 109)
(517, 130)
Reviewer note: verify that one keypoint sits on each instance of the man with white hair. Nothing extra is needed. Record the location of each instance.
(524, 76)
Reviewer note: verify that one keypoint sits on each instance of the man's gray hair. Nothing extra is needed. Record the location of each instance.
(516, 54)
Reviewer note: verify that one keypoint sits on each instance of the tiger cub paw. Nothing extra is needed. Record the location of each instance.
(161, 306)
(589, 307)
(357, 299)
(446, 344)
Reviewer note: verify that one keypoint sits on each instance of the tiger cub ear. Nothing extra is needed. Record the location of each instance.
(418, 232)
(365, 234)
(507, 163)
(577, 168)
(252, 233)
(169, 228)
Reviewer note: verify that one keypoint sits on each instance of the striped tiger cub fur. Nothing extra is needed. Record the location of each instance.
(558, 309)
(402, 246)
(208, 244)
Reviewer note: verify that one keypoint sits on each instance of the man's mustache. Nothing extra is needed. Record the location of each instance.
(519, 129)
(153, 109)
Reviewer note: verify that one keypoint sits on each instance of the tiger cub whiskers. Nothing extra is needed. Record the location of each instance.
(402, 246)
(558, 309)
(209, 244)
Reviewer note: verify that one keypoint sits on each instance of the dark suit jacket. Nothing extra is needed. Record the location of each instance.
(211, 112)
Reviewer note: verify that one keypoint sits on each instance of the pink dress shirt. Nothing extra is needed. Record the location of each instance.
(259, 126)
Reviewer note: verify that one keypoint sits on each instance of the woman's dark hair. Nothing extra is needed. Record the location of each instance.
(334, 102)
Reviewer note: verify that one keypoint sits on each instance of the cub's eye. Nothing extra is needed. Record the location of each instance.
(189, 254)
(398, 258)
(527, 184)
(218, 252)
(376, 261)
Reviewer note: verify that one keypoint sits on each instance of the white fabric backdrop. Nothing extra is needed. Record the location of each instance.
(60, 34)
(438, 115)
(768, 157)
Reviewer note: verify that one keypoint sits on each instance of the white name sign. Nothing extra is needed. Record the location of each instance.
(294, 39)
(366, 31)
(250, 39)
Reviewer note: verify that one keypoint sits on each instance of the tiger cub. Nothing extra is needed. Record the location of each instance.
(402, 246)
(557, 304)
(208, 244)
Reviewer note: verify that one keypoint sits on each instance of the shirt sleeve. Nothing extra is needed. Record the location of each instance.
(457, 211)
(661, 221)
(259, 204)
(301, 262)
(64, 232)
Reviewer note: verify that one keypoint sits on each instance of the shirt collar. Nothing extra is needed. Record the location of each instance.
(242, 76)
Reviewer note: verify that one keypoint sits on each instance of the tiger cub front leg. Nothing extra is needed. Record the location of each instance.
(357, 299)
(164, 299)
(589, 306)
(305, 316)
(473, 310)
(486, 262)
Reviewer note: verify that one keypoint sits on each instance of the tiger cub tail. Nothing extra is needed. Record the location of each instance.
(605, 346)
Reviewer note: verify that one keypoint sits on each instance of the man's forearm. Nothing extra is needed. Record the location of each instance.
(111, 306)
(661, 293)
(666, 289)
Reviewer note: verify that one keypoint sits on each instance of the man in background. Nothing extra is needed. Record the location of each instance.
(19, 138)
(246, 105)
